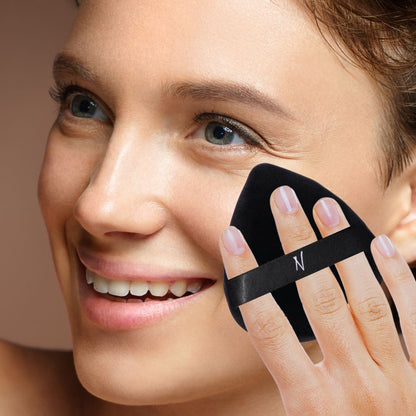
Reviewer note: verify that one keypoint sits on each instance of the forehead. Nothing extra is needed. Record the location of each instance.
(191, 37)
(204, 19)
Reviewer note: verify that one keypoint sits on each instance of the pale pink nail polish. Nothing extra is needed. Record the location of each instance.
(286, 200)
(327, 212)
(233, 241)
(385, 246)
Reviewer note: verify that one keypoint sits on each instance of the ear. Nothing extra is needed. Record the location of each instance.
(404, 234)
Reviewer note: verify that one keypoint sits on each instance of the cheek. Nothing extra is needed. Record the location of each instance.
(365, 194)
(64, 175)
(363, 191)
(349, 167)
(210, 202)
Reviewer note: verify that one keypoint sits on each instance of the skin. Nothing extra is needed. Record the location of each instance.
(141, 184)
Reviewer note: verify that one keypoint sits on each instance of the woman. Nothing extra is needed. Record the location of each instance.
(165, 107)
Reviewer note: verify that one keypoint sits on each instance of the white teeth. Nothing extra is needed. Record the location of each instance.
(138, 288)
(100, 284)
(122, 288)
(89, 276)
(178, 288)
(118, 287)
(159, 288)
(195, 286)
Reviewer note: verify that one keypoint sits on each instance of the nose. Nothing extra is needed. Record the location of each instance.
(126, 189)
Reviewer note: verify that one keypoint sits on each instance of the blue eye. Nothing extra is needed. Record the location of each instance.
(84, 106)
(217, 133)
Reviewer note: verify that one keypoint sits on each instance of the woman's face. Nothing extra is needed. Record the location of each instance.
(168, 107)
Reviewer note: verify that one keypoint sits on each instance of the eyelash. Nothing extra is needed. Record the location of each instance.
(60, 93)
(239, 128)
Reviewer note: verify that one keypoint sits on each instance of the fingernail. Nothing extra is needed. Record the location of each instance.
(385, 246)
(327, 212)
(233, 241)
(286, 200)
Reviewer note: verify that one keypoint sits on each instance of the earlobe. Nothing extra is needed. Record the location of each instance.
(404, 234)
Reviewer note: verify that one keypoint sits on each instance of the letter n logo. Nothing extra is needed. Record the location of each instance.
(299, 264)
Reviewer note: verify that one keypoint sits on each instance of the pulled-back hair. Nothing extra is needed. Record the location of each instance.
(380, 37)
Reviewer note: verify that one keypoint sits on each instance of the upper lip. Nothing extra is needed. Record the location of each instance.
(115, 270)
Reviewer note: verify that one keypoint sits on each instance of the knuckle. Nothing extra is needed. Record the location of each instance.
(327, 301)
(372, 309)
(301, 234)
(268, 331)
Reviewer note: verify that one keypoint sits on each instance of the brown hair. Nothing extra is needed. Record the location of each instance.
(380, 35)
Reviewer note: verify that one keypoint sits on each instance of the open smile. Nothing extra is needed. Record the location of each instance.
(114, 297)
(144, 291)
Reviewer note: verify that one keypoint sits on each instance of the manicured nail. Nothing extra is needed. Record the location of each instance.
(327, 212)
(233, 240)
(286, 200)
(385, 246)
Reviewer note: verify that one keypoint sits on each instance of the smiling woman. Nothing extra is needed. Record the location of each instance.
(161, 118)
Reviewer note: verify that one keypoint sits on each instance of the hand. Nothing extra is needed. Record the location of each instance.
(364, 370)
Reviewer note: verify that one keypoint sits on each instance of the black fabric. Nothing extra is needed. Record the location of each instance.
(277, 272)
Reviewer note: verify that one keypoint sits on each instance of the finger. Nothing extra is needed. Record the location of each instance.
(402, 287)
(322, 298)
(369, 306)
(270, 331)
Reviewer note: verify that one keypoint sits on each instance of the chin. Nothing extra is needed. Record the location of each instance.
(159, 367)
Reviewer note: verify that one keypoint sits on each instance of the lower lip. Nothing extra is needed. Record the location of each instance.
(125, 315)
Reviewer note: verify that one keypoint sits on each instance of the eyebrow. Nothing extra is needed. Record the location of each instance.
(64, 63)
(199, 90)
(227, 91)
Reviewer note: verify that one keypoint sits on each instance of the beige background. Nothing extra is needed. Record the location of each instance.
(31, 306)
